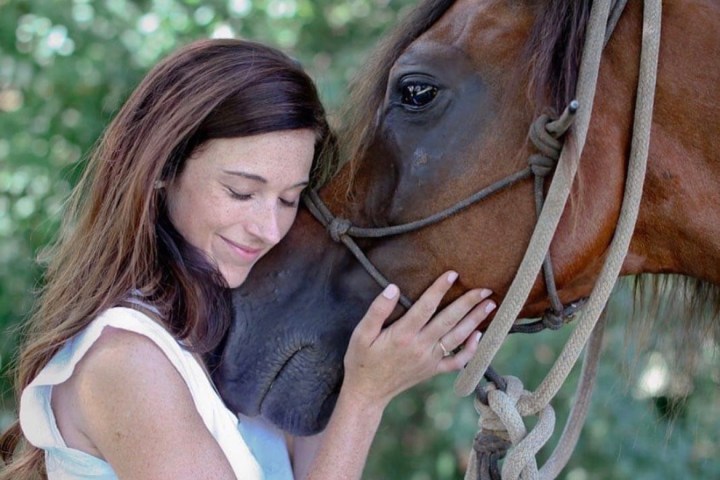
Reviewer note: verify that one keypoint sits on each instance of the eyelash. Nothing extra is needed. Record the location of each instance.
(245, 197)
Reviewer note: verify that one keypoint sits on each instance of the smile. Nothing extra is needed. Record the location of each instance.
(246, 253)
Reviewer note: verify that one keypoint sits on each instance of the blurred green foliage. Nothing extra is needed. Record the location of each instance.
(67, 65)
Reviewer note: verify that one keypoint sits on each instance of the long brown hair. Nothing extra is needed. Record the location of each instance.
(117, 238)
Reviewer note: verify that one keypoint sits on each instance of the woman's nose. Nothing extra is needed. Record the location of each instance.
(266, 225)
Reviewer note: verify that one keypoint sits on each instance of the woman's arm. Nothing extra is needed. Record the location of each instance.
(340, 452)
(381, 363)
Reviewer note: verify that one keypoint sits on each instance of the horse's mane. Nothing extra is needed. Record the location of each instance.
(675, 314)
(670, 310)
(554, 51)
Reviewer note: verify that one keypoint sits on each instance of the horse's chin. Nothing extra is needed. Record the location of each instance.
(284, 392)
(299, 420)
(292, 382)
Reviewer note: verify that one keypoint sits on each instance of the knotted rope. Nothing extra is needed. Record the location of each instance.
(520, 461)
(492, 442)
(544, 134)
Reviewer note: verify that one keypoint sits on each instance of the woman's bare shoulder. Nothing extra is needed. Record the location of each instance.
(111, 360)
(135, 409)
(122, 357)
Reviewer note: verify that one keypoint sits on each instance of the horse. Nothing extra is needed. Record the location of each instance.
(442, 110)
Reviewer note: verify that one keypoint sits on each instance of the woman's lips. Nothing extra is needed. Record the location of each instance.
(246, 253)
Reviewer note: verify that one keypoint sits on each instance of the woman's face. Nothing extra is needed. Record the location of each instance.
(237, 197)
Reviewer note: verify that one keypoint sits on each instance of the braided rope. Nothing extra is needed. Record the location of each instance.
(550, 216)
(520, 460)
(504, 412)
(628, 214)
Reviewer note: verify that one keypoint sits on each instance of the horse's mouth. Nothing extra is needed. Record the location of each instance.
(275, 376)
(300, 375)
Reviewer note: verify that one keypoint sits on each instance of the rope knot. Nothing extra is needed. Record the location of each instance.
(338, 227)
(492, 440)
(501, 419)
(541, 165)
(553, 320)
(543, 140)
(491, 443)
(489, 419)
(490, 448)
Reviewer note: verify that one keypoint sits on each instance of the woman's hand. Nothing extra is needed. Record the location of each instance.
(382, 362)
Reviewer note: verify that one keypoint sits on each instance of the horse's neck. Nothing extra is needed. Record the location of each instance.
(679, 227)
(678, 230)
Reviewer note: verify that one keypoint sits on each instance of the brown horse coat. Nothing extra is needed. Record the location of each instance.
(443, 111)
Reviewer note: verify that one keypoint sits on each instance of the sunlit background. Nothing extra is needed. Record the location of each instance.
(65, 68)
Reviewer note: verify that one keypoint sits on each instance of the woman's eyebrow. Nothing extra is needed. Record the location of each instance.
(261, 179)
(250, 176)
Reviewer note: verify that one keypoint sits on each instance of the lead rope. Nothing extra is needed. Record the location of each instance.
(509, 407)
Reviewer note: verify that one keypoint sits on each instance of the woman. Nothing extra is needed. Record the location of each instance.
(197, 177)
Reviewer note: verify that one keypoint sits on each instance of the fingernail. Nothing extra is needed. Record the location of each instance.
(478, 335)
(390, 291)
(485, 292)
(452, 276)
(489, 307)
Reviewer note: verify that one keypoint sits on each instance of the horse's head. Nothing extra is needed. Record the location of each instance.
(443, 112)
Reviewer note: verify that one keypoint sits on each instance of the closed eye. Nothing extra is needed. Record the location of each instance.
(238, 195)
(248, 196)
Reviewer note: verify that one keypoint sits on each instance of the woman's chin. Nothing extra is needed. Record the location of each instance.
(235, 278)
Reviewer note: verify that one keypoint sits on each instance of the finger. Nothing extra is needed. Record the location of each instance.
(380, 309)
(427, 304)
(460, 359)
(455, 313)
(469, 323)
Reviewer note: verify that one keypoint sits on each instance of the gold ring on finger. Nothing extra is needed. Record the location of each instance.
(445, 351)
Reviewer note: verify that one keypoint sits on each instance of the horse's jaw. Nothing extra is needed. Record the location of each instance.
(283, 355)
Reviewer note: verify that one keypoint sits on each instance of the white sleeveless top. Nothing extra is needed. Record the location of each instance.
(254, 448)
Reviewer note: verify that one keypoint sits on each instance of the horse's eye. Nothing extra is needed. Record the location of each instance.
(418, 94)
